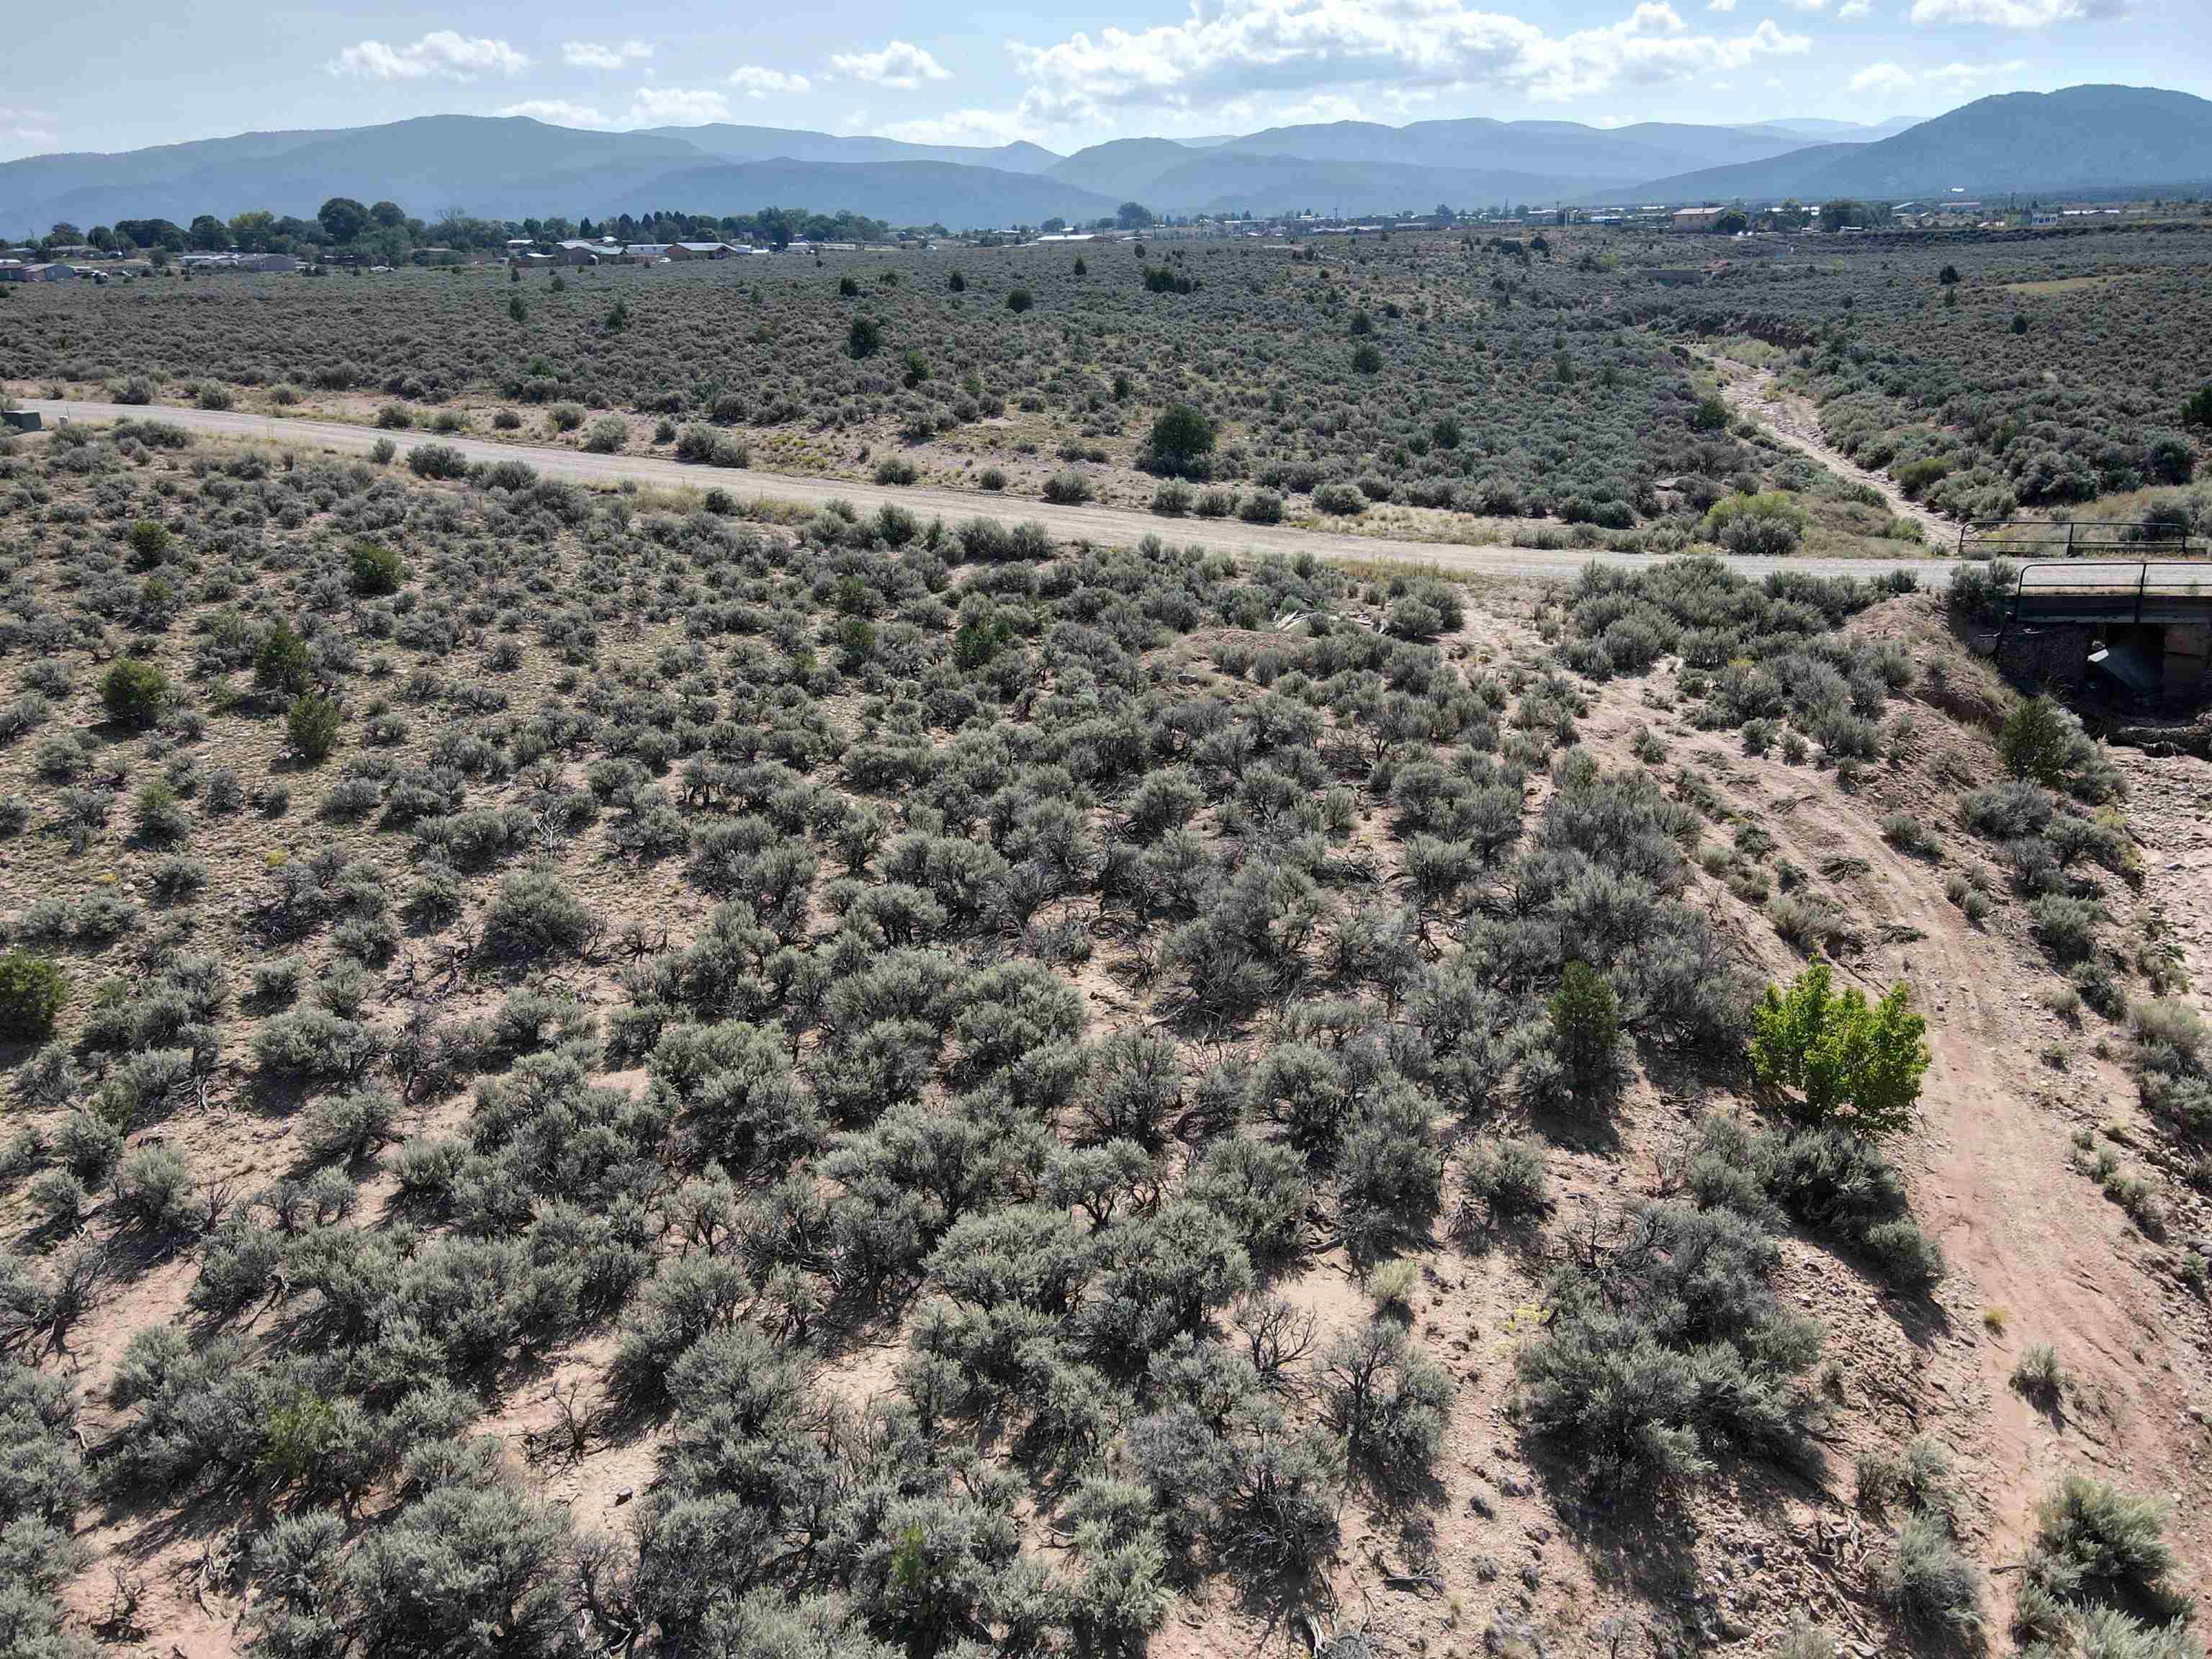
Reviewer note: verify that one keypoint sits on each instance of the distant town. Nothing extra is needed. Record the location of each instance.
(346, 236)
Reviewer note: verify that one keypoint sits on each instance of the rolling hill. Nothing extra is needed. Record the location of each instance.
(2081, 138)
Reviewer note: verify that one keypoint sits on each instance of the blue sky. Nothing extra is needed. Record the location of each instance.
(108, 76)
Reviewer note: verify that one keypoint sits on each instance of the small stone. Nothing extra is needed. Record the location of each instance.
(624, 1496)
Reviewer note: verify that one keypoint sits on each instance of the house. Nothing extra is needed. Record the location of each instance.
(702, 250)
(1695, 218)
(525, 260)
(577, 252)
(648, 253)
(36, 273)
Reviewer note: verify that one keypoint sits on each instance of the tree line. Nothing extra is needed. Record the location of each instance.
(385, 232)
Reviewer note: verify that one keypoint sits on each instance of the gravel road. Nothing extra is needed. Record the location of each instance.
(1097, 524)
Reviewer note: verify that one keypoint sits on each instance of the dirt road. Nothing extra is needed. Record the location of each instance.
(1098, 524)
(1793, 419)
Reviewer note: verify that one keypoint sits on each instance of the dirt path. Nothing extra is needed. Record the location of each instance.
(2034, 1252)
(1097, 524)
(2169, 808)
(1758, 393)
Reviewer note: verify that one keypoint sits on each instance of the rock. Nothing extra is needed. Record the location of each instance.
(1512, 1638)
(624, 1496)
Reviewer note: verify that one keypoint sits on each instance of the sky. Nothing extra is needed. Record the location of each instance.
(114, 75)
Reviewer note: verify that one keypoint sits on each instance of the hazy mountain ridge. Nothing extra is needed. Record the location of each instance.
(511, 167)
(730, 142)
(2080, 138)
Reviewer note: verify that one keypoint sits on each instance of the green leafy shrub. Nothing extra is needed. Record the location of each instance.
(150, 543)
(134, 692)
(32, 992)
(1849, 1064)
(1181, 436)
(374, 571)
(312, 726)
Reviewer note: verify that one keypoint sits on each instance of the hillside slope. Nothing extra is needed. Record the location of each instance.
(638, 1078)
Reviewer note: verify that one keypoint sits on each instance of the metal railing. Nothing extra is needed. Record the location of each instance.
(2040, 538)
(2131, 590)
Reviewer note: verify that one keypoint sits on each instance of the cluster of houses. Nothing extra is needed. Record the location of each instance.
(70, 264)
(37, 271)
(532, 256)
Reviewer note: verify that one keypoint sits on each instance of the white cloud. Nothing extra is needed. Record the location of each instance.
(1806, 5)
(1892, 77)
(440, 54)
(677, 107)
(559, 111)
(2015, 14)
(1965, 75)
(1851, 11)
(1881, 77)
(1229, 49)
(653, 106)
(901, 64)
(984, 127)
(27, 131)
(589, 54)
(757, 82)
(1720, 5)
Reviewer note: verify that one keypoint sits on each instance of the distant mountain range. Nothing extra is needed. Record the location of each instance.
(2081, 138)
(511, 167)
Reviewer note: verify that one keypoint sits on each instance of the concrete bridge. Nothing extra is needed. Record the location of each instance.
(2143, 622)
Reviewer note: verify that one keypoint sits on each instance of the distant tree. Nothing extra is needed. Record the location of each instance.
(134, 692)
(64, 231)
(208, 234)
(1948, 275)
(151, 233)
(1180, 436)
(2197, 411)
(1134, 215)
(865, 338)
(101, 238)
(1052, 225)
(1834, 216)
(1585, 1024)
(1019, 300)
(342, 219)
(32, 992)
(389, 215)
(252, 232)
(1731, 223)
